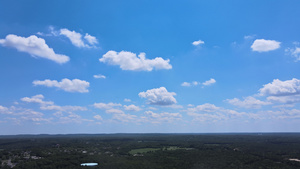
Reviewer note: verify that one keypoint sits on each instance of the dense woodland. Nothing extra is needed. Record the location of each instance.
(151, 151)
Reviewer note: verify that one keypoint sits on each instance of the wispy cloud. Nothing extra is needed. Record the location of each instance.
(76, 38)
(99, 76)
(195, 83)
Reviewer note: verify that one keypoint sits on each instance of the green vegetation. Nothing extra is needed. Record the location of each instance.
(151, 151)
(142, 150)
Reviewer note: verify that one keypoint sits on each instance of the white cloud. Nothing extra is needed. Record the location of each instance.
(248, 102)
(175, 106)
(36, 99)
(33, 45)
(295, 52)
(49, 105)
(152, 108)
(76, 38)
(281, 114)
(162, 117)
(195, 83)
(122, 117)
(129, 61)
(207, 107)
(262, 45)
(127, 100)
(114, 111)
(207, 117)
(4, 110)
(75, 85)
(52, 32)
(106, 105)
(281, 88)
(63, 108)
(209, 82)
(284, 99)
(24, 115)
(249, 37)
(71, 118)
(159, 96)
(199, 42)
(210, 112)
(90, 39)
(132, 107)
(99, 76)
(98, 117)
(186, 84)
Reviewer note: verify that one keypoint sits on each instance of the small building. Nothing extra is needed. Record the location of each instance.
(89, 164)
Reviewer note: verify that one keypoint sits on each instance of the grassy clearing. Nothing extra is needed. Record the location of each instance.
(142, 150)
(146, 150)
(174, 148)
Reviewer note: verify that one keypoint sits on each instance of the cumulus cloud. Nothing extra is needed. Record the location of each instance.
(199, 42)
(76, 38)
(75, 85)
(34, 46)
(106, 105)
(262, 45)
(129, 61)
(248, 102)
(159, 96)
(281, 88)
(132, 108)
(99, 76)
(209, 82)
(36, 99)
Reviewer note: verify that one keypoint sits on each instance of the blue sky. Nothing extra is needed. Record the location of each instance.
(149, 66)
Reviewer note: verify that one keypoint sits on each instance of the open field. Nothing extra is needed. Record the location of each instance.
(142, 150)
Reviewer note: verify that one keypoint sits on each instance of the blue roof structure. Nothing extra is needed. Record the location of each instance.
(89, 164)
